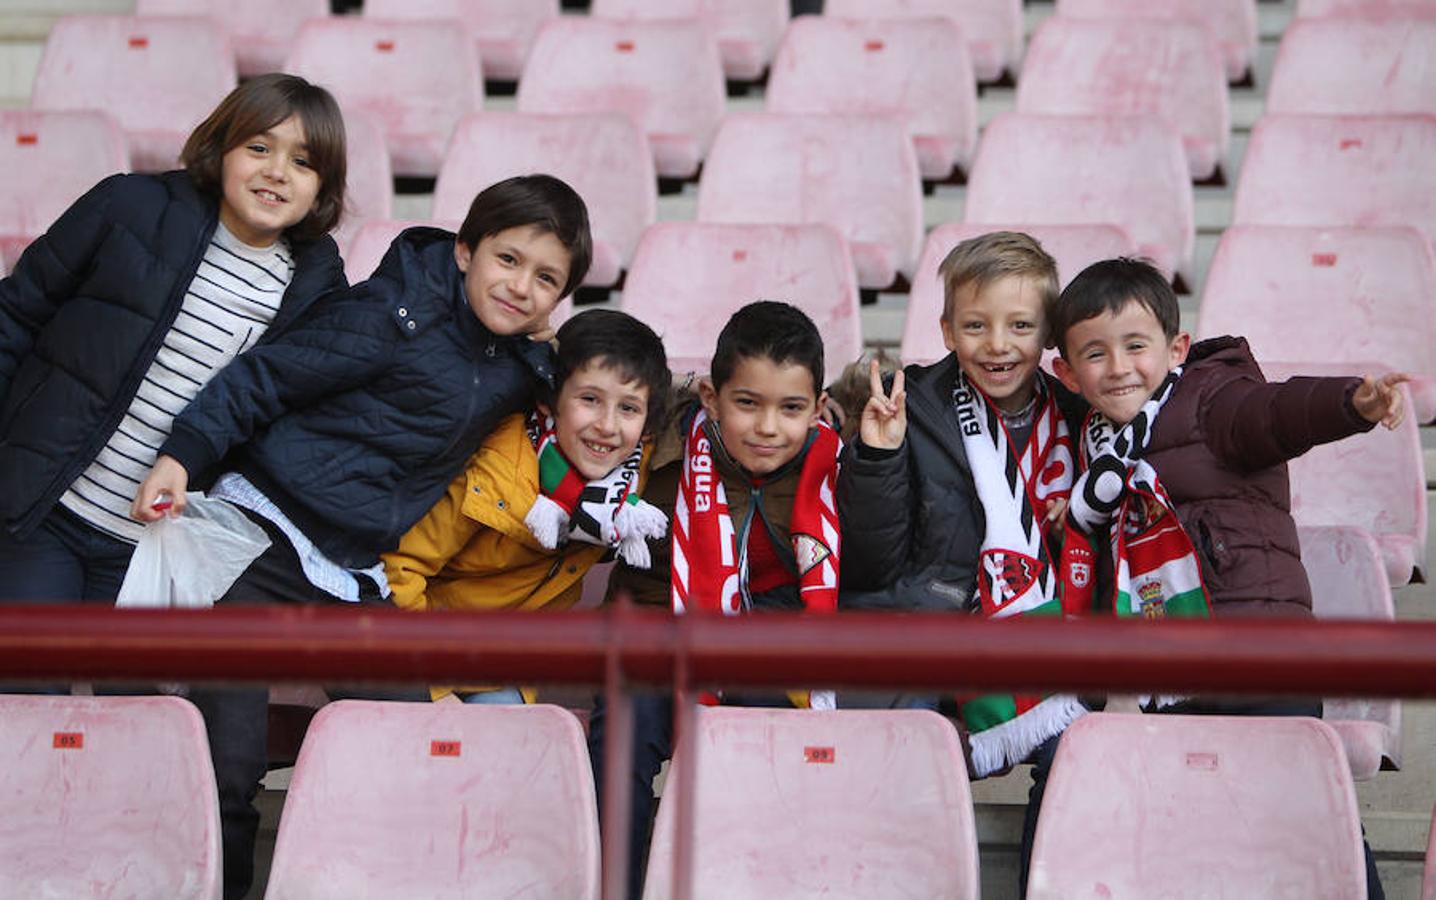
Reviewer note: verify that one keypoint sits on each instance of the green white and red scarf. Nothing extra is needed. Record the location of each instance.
(607, 512)
(1016, 569)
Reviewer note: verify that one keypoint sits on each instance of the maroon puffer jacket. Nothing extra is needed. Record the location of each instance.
(1220, 447)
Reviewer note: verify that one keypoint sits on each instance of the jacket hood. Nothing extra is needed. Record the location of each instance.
(1227, 349)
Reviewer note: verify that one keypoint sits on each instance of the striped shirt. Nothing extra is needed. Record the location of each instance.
(234, 296)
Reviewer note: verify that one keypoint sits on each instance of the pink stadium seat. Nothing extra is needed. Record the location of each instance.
(804, 804)
(689, 277)
(418, 79)
(1075, 247)
(917, 69)
(1365, 8)
(369, 244)
(1428, 882)
(747, 31)
(369, 192)
(1348, 581)
(602, 155)
(159, 77)
(1163, 806)
(107, 797)
(1366, 66)
(1232, 22)
(439, 800)
(1340, 170)
(1346, 295)
(503, 30)
(994, 28)
(47, 160)
(1128, 171)
(260, 31)
(666, 76)
(856, 173)
(1135, 66)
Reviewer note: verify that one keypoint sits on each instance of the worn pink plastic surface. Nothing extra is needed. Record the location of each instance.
(107, 797)
(747, 31)
(602, 155)
(369, 182)
(994, 28)
(1171, 69)
(917, 69)
(1340, 170)
(1166, 806)
(1232, 22)
(439, 800)
(856, 173)
(418, 79)
(1341, 66)
(1428, 882)
(47, 160)
(1365, 8)
(503, 30)
(159, 77)
(666, 76)
(1128, 171)
(1343, 295)
(689, 277)
(260, 31)
(837, 804)
(1348, 581)
(1074, 247)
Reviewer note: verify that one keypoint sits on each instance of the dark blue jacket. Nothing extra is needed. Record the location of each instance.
(355, 421)
(84, 314)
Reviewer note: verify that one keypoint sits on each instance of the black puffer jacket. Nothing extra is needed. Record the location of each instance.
(85, 312)
(360, 415)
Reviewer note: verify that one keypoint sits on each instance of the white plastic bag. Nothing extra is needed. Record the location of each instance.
(189, 562)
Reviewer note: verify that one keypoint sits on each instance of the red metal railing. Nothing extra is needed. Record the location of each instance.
(623, 648)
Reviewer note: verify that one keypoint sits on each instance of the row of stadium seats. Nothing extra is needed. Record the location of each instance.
(393, 799)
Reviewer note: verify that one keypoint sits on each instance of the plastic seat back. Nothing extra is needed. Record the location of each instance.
(1156, 805)
(439, 800)
(603, 156)
(747, 31)
(1128, 171)
(159, 77)
(47, 161)
(1136, 66)
(994, 29)
(1345, 295)
(835, 804)
(1340, 170)
(369, 187)
(1361, 9)
(1074, 247)
(503, 30)
(1232, 22)
(856, 173)
(370, 242)
(918, 69)
(1348, 581)
(689, 277)
(418, 79)
(666, 76)
(107, 797)
(1428, 882)
(1360, 67)
(261, 31)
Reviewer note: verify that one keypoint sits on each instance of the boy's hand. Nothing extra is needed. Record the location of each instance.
(1057, 518)
(543, 331)
(884, 422)
(1379, 399)
(162, 492)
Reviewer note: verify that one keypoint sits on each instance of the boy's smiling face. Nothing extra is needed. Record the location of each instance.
(514, 279)
(598, 418)
(1116, 360)
(997, 333)
(764, 411)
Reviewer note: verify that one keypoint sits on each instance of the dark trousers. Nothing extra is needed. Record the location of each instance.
(1043, 755)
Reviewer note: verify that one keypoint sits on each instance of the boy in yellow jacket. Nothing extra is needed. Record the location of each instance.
(550, 492)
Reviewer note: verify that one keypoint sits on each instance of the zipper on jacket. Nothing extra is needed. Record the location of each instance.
(552, 571)
(755, 498)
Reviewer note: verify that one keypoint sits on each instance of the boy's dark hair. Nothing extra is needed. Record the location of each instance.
(770, 330)
(619, 341)
(541, 201)
(1108, 286)
(253, 108)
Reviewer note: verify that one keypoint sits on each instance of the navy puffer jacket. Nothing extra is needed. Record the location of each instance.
(85, 312)
(355, 421)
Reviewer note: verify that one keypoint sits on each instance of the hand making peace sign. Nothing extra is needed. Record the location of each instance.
(884, 422)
